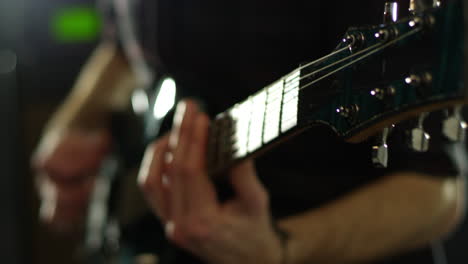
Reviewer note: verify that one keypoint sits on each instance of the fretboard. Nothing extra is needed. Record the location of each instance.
(251, 125)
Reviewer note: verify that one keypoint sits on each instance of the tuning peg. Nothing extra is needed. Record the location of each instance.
(390, 12)
(380, 149)
(383, 94)
(418, 138)
(417, 6)
(354, 41)
(454, 127)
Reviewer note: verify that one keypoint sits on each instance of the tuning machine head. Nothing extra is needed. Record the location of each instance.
(383, 93)
(380, 148)
(354, 41)
(421, 82)
(418, 138)
(454, 127)
(380, 156)
(390, 12)
(418, 6)
(350, 113)
(424, 78)
(419, 18)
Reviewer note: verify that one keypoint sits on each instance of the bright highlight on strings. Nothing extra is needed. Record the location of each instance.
(292, 78)
(370, 51)
(363, 57)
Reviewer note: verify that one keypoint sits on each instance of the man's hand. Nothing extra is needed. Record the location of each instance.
(174, 179)
(66, 164)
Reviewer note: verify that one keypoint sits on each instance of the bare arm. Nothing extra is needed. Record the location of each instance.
(398, 213)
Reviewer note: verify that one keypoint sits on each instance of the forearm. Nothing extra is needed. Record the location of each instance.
(397, 213)
(104, 85)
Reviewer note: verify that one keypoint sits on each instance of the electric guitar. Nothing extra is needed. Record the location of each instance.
(421, 56)
(346, 90)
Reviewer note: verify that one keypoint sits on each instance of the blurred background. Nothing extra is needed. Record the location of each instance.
(43, 44)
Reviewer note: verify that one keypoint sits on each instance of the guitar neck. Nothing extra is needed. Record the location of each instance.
(250, 126)
(344, 92)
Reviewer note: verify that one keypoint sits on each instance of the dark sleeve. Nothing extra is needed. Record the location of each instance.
(441, 159)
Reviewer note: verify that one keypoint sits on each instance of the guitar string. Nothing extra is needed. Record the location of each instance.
(321, 69)
(306, 66)
(375, 50)
(310, 64)
(336, 52)
(371, 52)
(324, 57)
(384, 46)
(339, 61)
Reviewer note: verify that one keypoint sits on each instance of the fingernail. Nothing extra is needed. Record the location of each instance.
(46, 147)
(48, 195)
(145, 165)
(169, 228)
(168, 157)
(179, 113)
(165, 180)
(47, 210)
(178, 118)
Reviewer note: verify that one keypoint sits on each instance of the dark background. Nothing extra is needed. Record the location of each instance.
(42, 76)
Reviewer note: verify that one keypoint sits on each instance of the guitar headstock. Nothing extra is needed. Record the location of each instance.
(381, 75)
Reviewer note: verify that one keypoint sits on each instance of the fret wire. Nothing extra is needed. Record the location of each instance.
(409, 33)
(402, 21)
(288, 84)
(340, 61)
(324, 57)
(258, 116)
(242, 125)
(273, 112)
(286, 79)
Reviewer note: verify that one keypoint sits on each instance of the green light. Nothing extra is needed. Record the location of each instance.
(76, 25)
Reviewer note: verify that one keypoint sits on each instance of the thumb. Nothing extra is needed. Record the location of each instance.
(251, 194)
